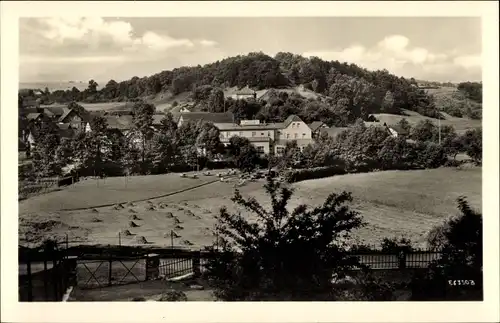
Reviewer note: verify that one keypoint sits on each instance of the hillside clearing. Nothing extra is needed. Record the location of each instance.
(460, 124)
(393, 203)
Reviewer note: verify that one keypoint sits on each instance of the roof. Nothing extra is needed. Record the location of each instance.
(56, 110)
(237, 127)
(300, 142)
(245, 91)
(207, 116)
(334, 131)
(32, 116)
(290, 119)
(65, 114)
(315, 125)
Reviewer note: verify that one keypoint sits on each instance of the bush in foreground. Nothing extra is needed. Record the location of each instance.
(458, 274)
(283, 255)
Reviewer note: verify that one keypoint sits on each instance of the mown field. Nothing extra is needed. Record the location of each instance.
(460, 124)
(393, 203)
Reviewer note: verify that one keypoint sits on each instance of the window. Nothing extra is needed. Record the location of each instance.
(260, 149)
(253, 133)
(280, 150)
(295, 135)
(303, 135)
(241, 134)
(269, 133)
(287, 135)
(262, 134)
(222, 135)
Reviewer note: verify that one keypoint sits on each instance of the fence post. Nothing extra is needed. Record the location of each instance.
(119, 239)
(70, 266)
(152, 266)
(196, 263)
(55, 276)
(402, 260)
(110, 273)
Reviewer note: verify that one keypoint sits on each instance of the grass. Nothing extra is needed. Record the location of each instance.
(460, 124)
(393, 203)
(92, 192)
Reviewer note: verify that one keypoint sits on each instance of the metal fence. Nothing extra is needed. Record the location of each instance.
(47, 275)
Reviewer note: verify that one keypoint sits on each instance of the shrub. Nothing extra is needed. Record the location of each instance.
(313, 173)
(461, 240)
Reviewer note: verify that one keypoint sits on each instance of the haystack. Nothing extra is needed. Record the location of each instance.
(125, 233)
(175, 235)
(186, 242)
(151, 208)
(95, 220)
(132, 224)
(132, 211)
(130, 204)
(134, 217)
(169, 215)
(94, 211)
(141, 239)
(178, 227)
(188, 212)
(176, 220)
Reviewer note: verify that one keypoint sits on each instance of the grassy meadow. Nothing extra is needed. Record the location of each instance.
(393, 203)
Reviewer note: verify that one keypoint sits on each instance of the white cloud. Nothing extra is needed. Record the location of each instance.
(208, 43)
(98, 33)
(395, 54)
(469, 61)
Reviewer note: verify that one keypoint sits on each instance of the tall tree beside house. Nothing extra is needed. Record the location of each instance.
(164, 152)
(143, 127)
(244, 154)
(92, 150)
(45, 161)
(208, 140)
(284, 254)
(216, 100)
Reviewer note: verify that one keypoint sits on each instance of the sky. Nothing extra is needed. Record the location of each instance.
(60, 49)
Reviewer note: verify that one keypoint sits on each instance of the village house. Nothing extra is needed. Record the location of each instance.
(181, 118)
(268, 138)
(244, 94)
(316, 127)
(393, 130)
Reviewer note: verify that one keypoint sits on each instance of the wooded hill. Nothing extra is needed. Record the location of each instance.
(345, 90)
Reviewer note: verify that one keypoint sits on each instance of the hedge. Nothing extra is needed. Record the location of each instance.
(313, 173)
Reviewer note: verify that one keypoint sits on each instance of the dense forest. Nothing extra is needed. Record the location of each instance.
(347, 91)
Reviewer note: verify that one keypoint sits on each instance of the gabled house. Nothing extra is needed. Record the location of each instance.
(316, 126)
(268, 138)
(226, 117)
(244, 94)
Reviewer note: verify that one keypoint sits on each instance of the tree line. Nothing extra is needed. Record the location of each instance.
(146, 150)
(349, 89)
